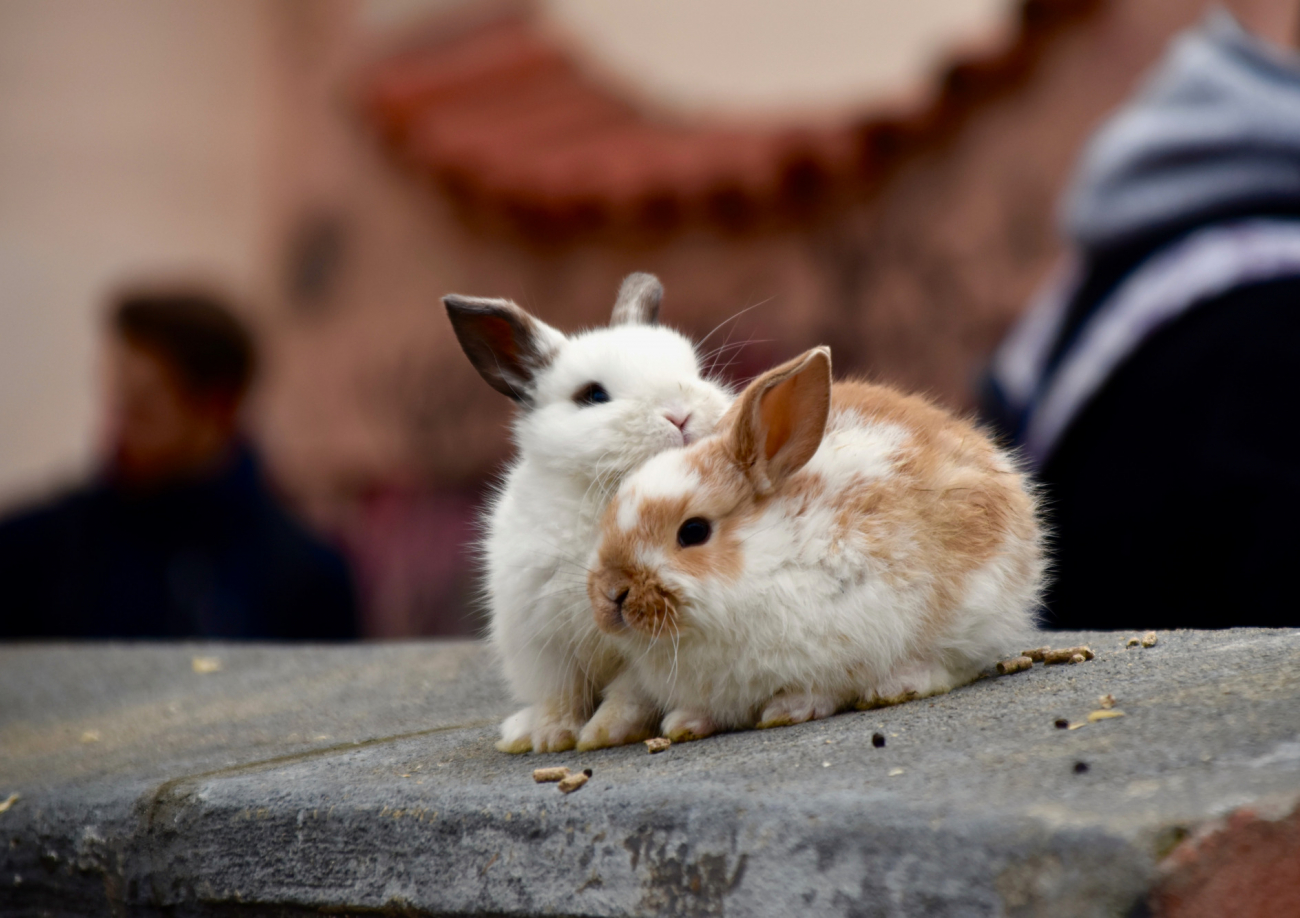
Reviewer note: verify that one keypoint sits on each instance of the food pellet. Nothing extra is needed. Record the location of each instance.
(543, 775)
(573, 782)
(1078, 658)
(205, 665)
(1103, 715)
(1149, 639)
(878, 740)
(1134, 642)
(658, 744)
(1067, 655)
(1036, 654)
(1062, 724)
(1106, 701)
(1014, 665)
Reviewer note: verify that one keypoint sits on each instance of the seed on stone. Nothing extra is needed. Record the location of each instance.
(1106, 701)
(543, 775)
(1103, 715)
(1149, 639)
(1036, 654)
(1062, 724)
(1133, 642)
(1014, 665)
(660, 743)
(878, 740)
(573, 782)
(1067, 655)
(206, 665)
(1080, 768)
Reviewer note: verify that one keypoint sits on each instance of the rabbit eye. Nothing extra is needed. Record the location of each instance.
(694, 531)
(591, 394)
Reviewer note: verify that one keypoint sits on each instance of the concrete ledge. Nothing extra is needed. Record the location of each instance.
(363, 778)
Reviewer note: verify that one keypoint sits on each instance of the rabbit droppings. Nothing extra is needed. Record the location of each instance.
(592, 407)
(830, 546)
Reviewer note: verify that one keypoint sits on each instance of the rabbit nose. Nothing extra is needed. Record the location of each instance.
(678, 419)
(621, 598)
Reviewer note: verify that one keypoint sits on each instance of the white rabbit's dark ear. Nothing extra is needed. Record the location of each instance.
(781, 418)
(638, 300)
(507, 346)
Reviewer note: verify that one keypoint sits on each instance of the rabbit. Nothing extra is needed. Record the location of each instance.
(592, 407)
(828, 547)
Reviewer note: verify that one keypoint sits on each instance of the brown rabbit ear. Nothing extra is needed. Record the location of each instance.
(638, 300)
(781, 418)
(507, 346)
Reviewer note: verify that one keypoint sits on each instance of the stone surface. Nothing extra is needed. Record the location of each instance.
(294, 780)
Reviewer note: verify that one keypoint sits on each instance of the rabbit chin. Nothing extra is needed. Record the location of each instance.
(631, 604)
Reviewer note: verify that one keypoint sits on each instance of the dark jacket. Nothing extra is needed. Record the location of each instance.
(1155, 389)
(213, 558)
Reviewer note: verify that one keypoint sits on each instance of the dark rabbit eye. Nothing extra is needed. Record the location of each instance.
(591, 394)
(694, 531)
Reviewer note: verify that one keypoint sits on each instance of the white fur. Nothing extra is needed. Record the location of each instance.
(542, 526)
(812, 624)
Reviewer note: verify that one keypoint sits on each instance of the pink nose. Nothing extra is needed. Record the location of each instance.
(679, 420)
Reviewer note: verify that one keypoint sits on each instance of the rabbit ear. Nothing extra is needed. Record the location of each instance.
(781, 418)
(638, 300)
(507, 346)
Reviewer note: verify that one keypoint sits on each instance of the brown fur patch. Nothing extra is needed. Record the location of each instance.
(650, 601)
(949, 508)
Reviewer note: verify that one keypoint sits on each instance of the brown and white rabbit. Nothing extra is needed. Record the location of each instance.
(828, 546)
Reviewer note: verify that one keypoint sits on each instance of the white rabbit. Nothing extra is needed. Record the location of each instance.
(827, 547)
(592, 407)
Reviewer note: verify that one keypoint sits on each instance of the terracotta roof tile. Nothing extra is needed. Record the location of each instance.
(519, 135)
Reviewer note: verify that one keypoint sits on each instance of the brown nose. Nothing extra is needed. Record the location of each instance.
(608, 591)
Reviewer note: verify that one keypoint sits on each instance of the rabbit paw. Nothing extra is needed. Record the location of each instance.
(554, 734)
(534, 730)
(517, 733)
(684, 725)
(786, 709)
(617, 722)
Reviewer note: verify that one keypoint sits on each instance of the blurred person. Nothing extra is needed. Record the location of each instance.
(1154, 385)
(178, 535)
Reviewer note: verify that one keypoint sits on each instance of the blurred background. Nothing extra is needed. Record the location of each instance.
(879, 176)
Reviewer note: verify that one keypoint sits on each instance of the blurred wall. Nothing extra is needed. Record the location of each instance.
(772, 57)
(133, 142)
(141, 138)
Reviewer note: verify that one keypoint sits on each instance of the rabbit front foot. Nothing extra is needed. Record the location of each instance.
(517, 733)
(796, 708)
(684, 725)
(536, 730)
(617, 722)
